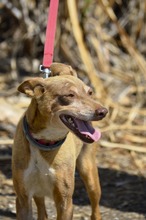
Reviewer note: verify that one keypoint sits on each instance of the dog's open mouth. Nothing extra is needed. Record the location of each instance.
(81, 129)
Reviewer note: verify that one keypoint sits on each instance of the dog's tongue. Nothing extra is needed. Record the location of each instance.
(86, 129)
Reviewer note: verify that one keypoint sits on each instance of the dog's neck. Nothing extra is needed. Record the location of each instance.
(40, 144)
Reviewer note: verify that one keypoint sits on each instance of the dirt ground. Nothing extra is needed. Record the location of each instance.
(123, 188)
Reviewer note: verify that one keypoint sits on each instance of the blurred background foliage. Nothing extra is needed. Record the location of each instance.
(104, 40)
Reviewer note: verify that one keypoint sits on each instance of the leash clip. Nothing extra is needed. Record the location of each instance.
(45, 70)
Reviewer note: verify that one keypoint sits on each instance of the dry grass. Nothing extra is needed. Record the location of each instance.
(103, 40)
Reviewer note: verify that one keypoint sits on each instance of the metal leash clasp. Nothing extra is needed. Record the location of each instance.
(45, 70)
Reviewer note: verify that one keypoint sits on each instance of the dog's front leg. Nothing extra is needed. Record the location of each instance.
(63, 192)
(86, 165)
(23, 208)
(40, 203)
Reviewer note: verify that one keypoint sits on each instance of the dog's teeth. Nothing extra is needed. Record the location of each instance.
(73, 124)
(70, 120)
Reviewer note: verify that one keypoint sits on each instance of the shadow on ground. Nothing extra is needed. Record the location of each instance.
(5, 213)
(120, 191)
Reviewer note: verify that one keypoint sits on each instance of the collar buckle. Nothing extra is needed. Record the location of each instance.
(46, 71)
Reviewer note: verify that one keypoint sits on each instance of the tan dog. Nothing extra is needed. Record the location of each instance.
(49, 145)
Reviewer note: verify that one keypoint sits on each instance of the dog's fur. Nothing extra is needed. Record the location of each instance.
(38, 173)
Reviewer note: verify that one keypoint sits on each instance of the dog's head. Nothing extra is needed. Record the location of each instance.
(66, 102)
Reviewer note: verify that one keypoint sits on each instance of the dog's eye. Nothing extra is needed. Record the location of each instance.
(65, 99)
(71, 95)
(90, 92)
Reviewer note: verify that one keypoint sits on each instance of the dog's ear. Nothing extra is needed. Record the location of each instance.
(59, 69)
(33, 87)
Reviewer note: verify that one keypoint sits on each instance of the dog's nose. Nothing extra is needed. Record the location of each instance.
(101, 113)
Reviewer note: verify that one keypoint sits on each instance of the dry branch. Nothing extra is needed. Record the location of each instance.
(123, 146)
(86, 57)
(127, 42)
(6, 141)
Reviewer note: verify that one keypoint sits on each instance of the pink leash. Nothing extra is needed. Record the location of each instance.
(50, 38)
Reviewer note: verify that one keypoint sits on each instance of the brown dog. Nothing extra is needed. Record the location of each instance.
(49, 145)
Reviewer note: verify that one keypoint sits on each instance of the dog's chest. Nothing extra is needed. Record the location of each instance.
(39, 177)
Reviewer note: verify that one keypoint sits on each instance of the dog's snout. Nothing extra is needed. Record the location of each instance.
(101, 113)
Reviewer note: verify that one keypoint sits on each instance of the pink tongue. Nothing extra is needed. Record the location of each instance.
(86, 129)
